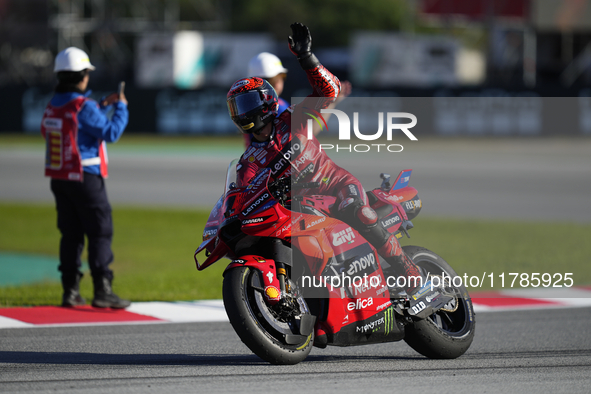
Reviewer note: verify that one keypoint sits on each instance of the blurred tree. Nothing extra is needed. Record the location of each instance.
(330, 21)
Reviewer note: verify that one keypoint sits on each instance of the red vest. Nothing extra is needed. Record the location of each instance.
(59, 127)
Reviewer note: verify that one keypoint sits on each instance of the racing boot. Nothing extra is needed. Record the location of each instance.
(427, 293)
(410, 280)
(71, 296)
(409, 275)
(104, 296)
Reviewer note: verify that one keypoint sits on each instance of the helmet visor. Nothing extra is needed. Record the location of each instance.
(244, 103)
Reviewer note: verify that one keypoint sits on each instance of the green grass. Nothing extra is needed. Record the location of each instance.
(154, 251)
(475, 247)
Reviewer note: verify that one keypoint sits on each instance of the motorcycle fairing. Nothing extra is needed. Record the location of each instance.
(361, 292)
(330, 248)
(214, 220)
(383, 326)
(360, 261)
(400, 195)
(272, 221)
(320, 238)
(333, 249)
(406, 201)
(217, 251)
(402, 180)
(318, 205)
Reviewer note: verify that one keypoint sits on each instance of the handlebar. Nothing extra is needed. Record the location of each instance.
(281, 188)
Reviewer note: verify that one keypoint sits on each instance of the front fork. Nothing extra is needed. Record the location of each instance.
(282, 276)
(288, 305)
(277, 291)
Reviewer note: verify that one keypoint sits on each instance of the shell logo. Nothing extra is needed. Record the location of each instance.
(272, 292)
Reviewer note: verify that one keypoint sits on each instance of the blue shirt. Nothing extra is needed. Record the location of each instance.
(94, 125)
(283, 105)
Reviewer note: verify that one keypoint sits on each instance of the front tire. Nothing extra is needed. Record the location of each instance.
(257, 325)
(443, 335)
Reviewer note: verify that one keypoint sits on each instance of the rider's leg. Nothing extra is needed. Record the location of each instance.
(354, 210)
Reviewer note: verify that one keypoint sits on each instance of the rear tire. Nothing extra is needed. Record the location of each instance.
(256, 324)
(443, 335)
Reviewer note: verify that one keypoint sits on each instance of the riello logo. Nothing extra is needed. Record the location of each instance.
(345, 130)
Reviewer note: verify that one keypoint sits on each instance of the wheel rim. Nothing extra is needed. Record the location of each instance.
(455, 324)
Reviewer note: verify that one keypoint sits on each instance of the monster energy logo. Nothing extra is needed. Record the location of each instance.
(389, 320)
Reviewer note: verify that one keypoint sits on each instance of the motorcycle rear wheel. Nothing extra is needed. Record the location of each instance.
(443, 335)
(256, 324)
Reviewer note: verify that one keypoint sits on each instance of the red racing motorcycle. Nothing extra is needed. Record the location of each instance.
(299, 277)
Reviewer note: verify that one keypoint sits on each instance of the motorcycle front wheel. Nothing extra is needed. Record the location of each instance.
(444, 334)
(259, 327)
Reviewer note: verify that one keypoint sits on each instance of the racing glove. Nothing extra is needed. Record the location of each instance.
(300, 44)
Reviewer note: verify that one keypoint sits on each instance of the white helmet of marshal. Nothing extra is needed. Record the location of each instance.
(265, 65)
(72, 59)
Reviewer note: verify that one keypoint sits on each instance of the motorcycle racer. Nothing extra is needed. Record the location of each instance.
(282, 145)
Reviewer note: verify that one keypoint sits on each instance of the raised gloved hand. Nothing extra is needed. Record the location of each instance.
(300, 44)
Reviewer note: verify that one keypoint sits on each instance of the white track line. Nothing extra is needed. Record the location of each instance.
(213, 310)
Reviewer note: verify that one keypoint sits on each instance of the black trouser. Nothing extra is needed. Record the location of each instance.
(83, 209)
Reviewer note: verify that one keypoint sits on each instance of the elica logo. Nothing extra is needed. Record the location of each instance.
(345, 130)
(360, 303)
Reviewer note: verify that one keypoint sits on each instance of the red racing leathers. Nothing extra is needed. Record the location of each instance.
(290, 152)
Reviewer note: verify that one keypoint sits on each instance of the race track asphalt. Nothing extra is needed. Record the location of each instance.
(513, 352)
(523, 179)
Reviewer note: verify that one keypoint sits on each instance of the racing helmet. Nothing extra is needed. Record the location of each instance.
(252, 103)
